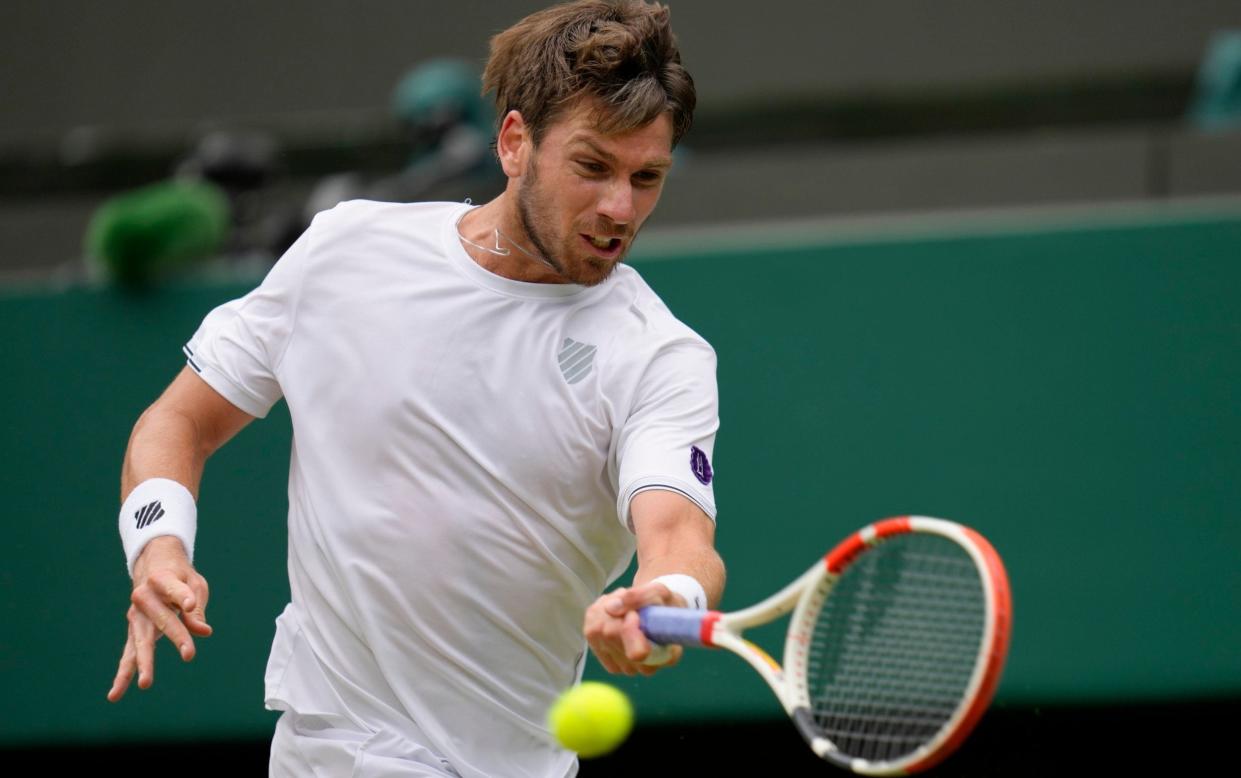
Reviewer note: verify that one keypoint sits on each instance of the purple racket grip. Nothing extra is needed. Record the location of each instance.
(672, 625)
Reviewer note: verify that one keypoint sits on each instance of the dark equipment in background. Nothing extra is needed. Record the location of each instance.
(449, 126)
(225, 202)
(245, 165)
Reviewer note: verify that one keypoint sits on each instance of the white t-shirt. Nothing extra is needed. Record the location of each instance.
(465, 448)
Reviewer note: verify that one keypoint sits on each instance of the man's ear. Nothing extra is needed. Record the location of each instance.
(513, 144)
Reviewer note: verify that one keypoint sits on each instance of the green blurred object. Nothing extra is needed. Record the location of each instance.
(139, 237)
(1217, 99)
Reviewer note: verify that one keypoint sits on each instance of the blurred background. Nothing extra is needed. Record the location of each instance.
(961, 258)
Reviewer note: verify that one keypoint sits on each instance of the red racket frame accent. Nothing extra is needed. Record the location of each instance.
(851, 547)
(847, 550)
(995, 662)
(708, 626)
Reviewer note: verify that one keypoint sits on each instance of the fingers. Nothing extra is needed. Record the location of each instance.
(169, 599)
(165, 595)
(143, 635)
(159, 618)
(125, 671)
(174, 591)
(640, 649)
(603, 635)
(642, 596)
(614, 633)
(195, 616)
(636, 645)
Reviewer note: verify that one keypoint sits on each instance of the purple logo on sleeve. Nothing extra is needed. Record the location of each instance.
(700, 465)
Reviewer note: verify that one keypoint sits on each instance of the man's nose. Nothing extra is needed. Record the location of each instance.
(617, 203)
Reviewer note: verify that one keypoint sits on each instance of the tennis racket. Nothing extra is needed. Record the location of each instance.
(894, 649)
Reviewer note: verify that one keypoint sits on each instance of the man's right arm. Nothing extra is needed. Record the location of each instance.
(172, 439)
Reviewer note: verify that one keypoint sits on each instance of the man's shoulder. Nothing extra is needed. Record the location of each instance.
(361, 215)
(370, 243)
(367, 234)
(651, 322)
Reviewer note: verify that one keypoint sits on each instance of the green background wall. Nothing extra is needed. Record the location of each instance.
(1072, 392)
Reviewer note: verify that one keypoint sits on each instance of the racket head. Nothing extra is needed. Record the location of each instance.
(893, 655)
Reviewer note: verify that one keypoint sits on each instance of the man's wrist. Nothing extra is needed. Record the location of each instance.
(157, 507)
(687, 587)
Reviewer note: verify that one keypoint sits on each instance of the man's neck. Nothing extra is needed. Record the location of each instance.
(494, 237)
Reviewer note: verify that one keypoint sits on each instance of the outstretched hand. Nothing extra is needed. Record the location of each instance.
(614, 635)
(169, 598)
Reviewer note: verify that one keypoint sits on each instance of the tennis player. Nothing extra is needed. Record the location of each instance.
(490, 413)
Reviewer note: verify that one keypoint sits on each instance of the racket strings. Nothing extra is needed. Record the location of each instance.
(895, 645)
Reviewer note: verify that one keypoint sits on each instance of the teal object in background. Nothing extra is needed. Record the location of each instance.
(1217, 98)
(439, 91)
(1070, 392)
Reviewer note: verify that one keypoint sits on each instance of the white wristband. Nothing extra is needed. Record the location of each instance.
(687, 586)
(695, 597)
(157, 507)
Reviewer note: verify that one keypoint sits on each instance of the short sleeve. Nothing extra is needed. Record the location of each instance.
(238, 347)
(669, 437)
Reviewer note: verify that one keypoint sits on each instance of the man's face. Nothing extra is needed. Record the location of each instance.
(585, 195)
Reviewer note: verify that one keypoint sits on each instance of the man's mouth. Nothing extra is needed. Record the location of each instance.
(603, 241)
(604, 244)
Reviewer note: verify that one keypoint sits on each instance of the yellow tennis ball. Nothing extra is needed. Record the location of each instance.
(591, 718)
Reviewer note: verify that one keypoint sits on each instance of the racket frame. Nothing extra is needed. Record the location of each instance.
(805, 597)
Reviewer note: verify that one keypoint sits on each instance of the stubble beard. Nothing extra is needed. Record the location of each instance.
(532, 212)
(532, 222)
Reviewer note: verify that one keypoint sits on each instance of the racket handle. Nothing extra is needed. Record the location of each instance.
(662, 624)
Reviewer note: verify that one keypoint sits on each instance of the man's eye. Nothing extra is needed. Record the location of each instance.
(592, 167)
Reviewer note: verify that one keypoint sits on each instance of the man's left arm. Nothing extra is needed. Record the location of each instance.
(674, 537)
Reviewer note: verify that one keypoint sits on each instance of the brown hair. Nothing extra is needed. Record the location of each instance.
(621, 53)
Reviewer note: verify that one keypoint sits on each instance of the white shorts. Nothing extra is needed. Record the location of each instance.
(332, 747)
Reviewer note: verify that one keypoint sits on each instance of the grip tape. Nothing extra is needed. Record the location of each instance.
(662, 624)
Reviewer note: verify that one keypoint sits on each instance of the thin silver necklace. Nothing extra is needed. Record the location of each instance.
(500, 251)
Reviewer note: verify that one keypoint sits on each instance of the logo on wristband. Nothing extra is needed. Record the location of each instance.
(148, 514)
